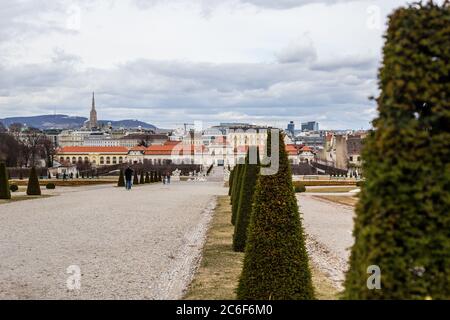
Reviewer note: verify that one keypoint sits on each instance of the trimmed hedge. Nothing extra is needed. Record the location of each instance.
(230, 182)
(33, 188)
(5, 192)
(403, 217)
(135, 178)
(236, 191)
(299, 188)
(276, 264)
(121, 182)
(249, 178)
(50, 186)
(14, 188)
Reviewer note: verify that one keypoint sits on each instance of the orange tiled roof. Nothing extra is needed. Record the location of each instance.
(86, 149)
(306, 149)
(176, 148)
(291, 150)
(138, 148)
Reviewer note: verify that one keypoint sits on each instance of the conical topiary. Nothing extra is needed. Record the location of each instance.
(142, 179)
(275, 263)
(135, 178)
(249, 178)
(33, 188)
(5, 192)
(121, 182)
(230, 182)
(147, 178)
(236, 192)
(152, 177)
(402, 224)
(235, 180)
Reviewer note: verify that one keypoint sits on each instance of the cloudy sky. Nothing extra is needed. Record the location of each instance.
(173, 61)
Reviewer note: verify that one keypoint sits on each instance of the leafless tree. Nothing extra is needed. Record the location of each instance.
(47, 149)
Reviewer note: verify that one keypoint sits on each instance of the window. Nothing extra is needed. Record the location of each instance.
(359, 158)
(102, 160)
(61, 159)
(351, 158)
(114, 160)
(86, 159)
(120, 160)
(80, 159)
(74, 160)
(108, 160)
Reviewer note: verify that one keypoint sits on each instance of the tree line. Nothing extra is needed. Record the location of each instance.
(25, 146)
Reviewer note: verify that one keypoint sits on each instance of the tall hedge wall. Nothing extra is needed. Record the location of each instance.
(403, 217)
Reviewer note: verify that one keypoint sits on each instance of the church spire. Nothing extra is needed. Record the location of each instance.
(93, 101)
(93, 117)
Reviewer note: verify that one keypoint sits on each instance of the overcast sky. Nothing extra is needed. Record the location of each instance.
(173, 61)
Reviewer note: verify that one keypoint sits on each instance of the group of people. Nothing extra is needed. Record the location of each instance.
(129, 174)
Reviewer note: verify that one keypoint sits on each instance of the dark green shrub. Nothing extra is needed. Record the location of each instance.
(121, 182)
(147, 178)
(236, 192)
(275, 263)
(299, 188)
(135, 178)
(5, 193)
(230, 182)
(359, 183)
(33, 188)
(152, 177)
(402, 222)
(50, 186)
(13, 188)
(142, 180)
(249, 178)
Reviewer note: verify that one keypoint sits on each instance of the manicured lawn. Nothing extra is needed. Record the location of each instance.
(69, 182)
(331, 189)
(310, 183)
(220, 268)
(346, 200)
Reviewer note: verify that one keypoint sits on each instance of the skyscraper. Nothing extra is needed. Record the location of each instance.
(93, 117)
(310, 126)
(291, 128)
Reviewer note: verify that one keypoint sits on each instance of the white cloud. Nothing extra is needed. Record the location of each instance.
(172, 61)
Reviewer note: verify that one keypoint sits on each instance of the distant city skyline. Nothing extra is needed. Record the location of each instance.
(265, 62)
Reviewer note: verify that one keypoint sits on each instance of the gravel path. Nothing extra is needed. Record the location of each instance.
(328, 227)
(143, 244)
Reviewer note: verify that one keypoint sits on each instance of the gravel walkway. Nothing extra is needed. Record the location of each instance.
(328, 227)
(143, 244)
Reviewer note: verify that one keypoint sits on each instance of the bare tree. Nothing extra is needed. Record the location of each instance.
(32, 138)
(47, 150)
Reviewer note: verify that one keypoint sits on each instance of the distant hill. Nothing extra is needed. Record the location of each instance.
(61, 121)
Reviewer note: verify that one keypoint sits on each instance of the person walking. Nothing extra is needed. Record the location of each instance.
(128, 177)
(168, 178)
